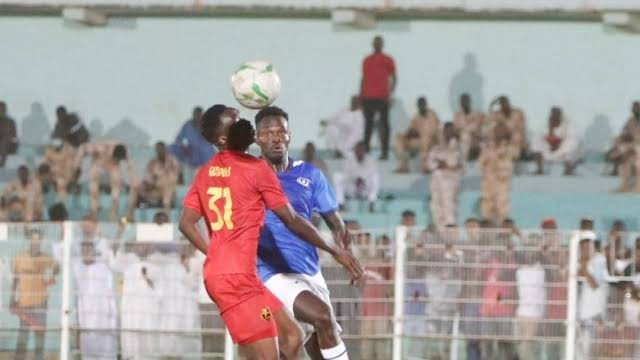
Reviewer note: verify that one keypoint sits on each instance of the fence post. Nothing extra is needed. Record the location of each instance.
(572, 299)
(67, 238)
(229, 351)
(398, 291)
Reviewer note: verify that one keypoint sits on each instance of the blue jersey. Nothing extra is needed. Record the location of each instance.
(279, 250)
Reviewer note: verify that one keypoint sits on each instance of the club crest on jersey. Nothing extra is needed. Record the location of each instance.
(266, 314)
(304, 182)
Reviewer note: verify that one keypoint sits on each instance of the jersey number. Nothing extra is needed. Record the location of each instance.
(222, 219)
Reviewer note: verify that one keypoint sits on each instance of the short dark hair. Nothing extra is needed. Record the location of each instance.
(408, 213)
(58, 212)
(270, 111)
(241, 135)
(211, 122)
(120, 152)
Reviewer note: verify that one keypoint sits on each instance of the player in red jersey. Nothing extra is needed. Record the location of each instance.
(231, 193)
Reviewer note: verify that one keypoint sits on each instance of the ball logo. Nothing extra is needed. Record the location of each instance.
(266, 314)
(304, 182)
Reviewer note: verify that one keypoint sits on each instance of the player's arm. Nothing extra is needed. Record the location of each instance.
(301, 227)
(338, 230)
(189, 227)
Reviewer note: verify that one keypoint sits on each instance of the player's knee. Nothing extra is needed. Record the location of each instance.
(291, 342)
(323, 320)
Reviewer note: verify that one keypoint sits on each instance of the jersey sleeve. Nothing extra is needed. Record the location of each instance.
(192, 198)
(324, 198)
(269, 187)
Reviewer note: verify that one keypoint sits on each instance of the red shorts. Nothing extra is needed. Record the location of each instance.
(246, 306)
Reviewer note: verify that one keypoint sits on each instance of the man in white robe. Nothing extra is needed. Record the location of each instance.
(343, 130)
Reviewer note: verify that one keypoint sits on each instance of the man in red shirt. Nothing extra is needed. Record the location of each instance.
(231, 193)
(377, 84)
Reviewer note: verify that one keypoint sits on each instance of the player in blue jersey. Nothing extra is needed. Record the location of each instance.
(287, 265)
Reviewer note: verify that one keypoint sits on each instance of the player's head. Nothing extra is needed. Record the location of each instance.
(378, 43)
(465, 102)
(272, 128)
(119, 153)
(241, 136)
(216, 122)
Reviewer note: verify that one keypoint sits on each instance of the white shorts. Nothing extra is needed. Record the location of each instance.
(287, 287)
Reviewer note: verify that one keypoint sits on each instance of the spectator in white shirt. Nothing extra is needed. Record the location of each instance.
(343, 130)
(557, 144)
(592, 298)
(359, 177)
(532, 295)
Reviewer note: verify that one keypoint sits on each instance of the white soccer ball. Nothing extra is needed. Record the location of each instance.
(255, 84)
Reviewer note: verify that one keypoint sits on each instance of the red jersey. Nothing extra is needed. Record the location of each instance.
(231, 191)
(376, 70)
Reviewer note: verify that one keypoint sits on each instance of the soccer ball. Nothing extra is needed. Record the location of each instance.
(255, 84)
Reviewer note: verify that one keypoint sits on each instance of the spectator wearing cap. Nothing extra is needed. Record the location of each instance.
(60, 156)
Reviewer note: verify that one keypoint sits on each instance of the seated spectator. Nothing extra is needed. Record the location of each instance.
(46, 179)
(160, 180)
(557, 145)
(359, 177)
(421, 135)
(8, 137)
(445, 165)
(496, 167)
(630, 134)
(60, 156)
(469, 124)
(107, 159)
(343, 130)
(626, 157)
(514, 119)
(69, 128)
(24, 195)
(311, 156)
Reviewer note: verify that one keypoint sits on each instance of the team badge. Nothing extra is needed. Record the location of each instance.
(266, 314)
(304, 182)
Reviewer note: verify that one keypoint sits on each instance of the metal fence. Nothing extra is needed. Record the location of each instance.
(86, 290)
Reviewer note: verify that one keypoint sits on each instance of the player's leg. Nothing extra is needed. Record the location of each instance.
(310, 309)
(289, 335)
(264, 349)
(312, 347)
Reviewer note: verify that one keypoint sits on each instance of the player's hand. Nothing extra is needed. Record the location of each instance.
(348, 260)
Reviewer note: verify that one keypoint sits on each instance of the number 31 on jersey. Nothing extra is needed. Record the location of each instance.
(223, 219)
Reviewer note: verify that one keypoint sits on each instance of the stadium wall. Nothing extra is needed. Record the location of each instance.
(153, 70)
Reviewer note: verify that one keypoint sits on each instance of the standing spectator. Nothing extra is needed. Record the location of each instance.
(359, 177)
(469, 124)
(24, 197)
(310, 156)
(496, 166)
(70, 128)
(532, 295)
(420, 137)
(632, 315)
(34, 272)
(556, 310)
(108, 158)
(376, 87)
(377, 308)
(514, 120)
(343, 130)
(445, 164)
(60, 156)
(629, 137)
(618, 253)
(8, 137)
(160, 179)
(96, 305)
(592, 298)
(558, 144)
(189, 146)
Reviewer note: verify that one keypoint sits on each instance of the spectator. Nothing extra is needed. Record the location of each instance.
(311, 156)
(415, 305)
(514, 120)
(160, 180)
(496, 166)
(24, 195)
(556, 310)
(618, 253)
(60, 156)
(445, 164)
(139, 306)
(632, 315)
(592, 298)
(586, 230)
(513, 233)
(96, 305)
(469, 124)
(420, 137)
(8, 137)
(359, 177)
(108, 157)
(34, 272)
(625, 156)
(343, 130)
(557, 145)
(189, 146)
(532, 296)
(629, 137)
(91, 233)
(46, 179)
(408, 218)
(376, 87)
(69, 128)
